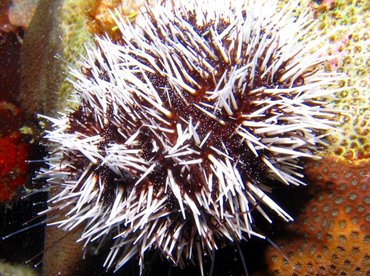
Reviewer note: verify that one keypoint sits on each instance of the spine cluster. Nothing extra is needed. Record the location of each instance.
(183, 125)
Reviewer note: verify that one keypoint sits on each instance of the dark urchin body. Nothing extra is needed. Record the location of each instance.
(183, 124)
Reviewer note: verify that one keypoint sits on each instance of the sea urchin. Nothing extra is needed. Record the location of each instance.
(183, 124)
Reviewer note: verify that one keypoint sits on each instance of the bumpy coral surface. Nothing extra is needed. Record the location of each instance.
(345, 25)
(348, 24)
(331, 236)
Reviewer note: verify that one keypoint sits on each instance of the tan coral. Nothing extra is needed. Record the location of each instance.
(331, 236)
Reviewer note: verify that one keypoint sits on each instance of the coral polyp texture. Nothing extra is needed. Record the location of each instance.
(184, 125)
(348, 24)
(331, 236)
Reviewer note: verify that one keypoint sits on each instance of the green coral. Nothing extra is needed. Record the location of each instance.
(75, 35)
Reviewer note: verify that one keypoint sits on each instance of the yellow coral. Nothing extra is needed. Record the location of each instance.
(348, 23)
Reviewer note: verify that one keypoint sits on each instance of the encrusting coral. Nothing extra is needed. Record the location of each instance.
(331, 236)
(348, 23)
